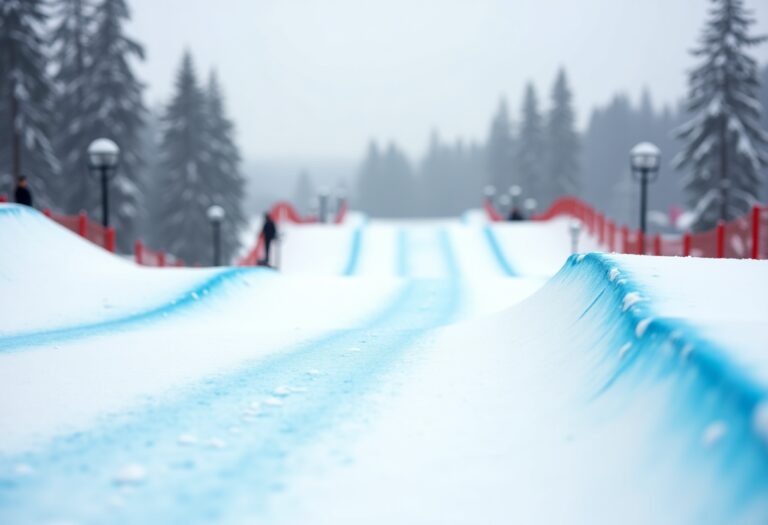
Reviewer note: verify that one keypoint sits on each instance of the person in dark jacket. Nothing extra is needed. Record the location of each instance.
(22, 195)
(515, 215)
(269, 231)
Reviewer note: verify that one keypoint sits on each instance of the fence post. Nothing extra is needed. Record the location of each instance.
(82, 224)
(720, 236)
(640, 242)
(109, 239)
(756, 232)
(161, 259)
(138, 249)
(625, 239)
(687, 244)
(657, 244)
(47, 212)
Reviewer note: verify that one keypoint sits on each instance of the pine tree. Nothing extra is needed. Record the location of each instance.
(724, 145)
(72, 45)
(26, 104)
(562, 143)
(183, 192)
(112, 108)
(530, 152)
(223, 168)
(386, 184)
(500, 150)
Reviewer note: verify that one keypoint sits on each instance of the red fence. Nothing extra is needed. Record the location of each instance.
(83, 226)
(745, 237)
(285, 212)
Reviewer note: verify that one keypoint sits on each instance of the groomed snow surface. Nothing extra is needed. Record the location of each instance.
(393, 372)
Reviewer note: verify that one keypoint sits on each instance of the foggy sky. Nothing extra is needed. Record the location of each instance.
(318, 78)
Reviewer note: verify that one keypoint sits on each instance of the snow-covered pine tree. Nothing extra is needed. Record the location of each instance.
(530, 151)
(26, 103)
(724, 145)
(500, 150)
(182, 190)
(223, 168)
(113, 107)
(562, 141)
(71, 47)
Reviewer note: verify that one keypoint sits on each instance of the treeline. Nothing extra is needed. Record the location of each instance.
(66, 78)
(540, 152)
(714, 146)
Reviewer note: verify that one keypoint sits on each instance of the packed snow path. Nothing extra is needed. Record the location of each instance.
(404, 372)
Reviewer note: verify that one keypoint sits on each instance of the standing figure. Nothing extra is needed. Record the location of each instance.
(515, 215)
(269, 231)
(22, 195)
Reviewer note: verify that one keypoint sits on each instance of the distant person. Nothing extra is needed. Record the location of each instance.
(22, 195)
(515, 215)
(269, 231)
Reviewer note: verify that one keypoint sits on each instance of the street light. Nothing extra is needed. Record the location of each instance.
(323, 202)
(103, 155)
(575, 230)
(530, 206)
(216, 215)
(645, 160)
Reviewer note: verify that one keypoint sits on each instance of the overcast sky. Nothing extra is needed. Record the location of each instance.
(318, 78)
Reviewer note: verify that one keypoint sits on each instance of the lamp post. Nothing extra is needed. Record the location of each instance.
(645, 159)
(505, 205)
(515, 191)
(530, 206)
(216, 216)
(575, 229)
(103, 155)
(489, 191)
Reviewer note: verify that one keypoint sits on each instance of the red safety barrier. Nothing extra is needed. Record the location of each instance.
(255, 255)
(3, 198)
(743, 237)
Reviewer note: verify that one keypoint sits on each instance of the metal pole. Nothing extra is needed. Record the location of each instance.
(643, 197)
(104, 197)
(216, 243)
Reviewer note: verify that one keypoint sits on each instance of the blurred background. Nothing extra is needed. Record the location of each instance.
(408, 108)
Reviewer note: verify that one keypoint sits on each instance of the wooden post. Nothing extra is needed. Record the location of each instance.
(624, 239)
(82, 224)
(756, 232)
(720, 246)
(109, 239)
(138, 249)
(687, 244)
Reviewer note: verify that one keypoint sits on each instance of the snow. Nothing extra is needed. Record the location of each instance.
(457, 372)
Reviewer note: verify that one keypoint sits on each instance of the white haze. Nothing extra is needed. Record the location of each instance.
(318, 78)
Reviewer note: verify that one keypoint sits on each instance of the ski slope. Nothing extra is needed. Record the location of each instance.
(444, 371)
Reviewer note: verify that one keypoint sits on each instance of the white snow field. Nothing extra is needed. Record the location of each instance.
(392, 372)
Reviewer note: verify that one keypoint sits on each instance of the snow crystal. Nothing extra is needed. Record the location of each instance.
(186, 439)
(217, 443)
(631, 299)
(22, 469)
(282, 391)
(714, 433)
(130, 474)
(624, 349)
(642, 326)
(760, 420)
(273, 402)
(613, 274)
